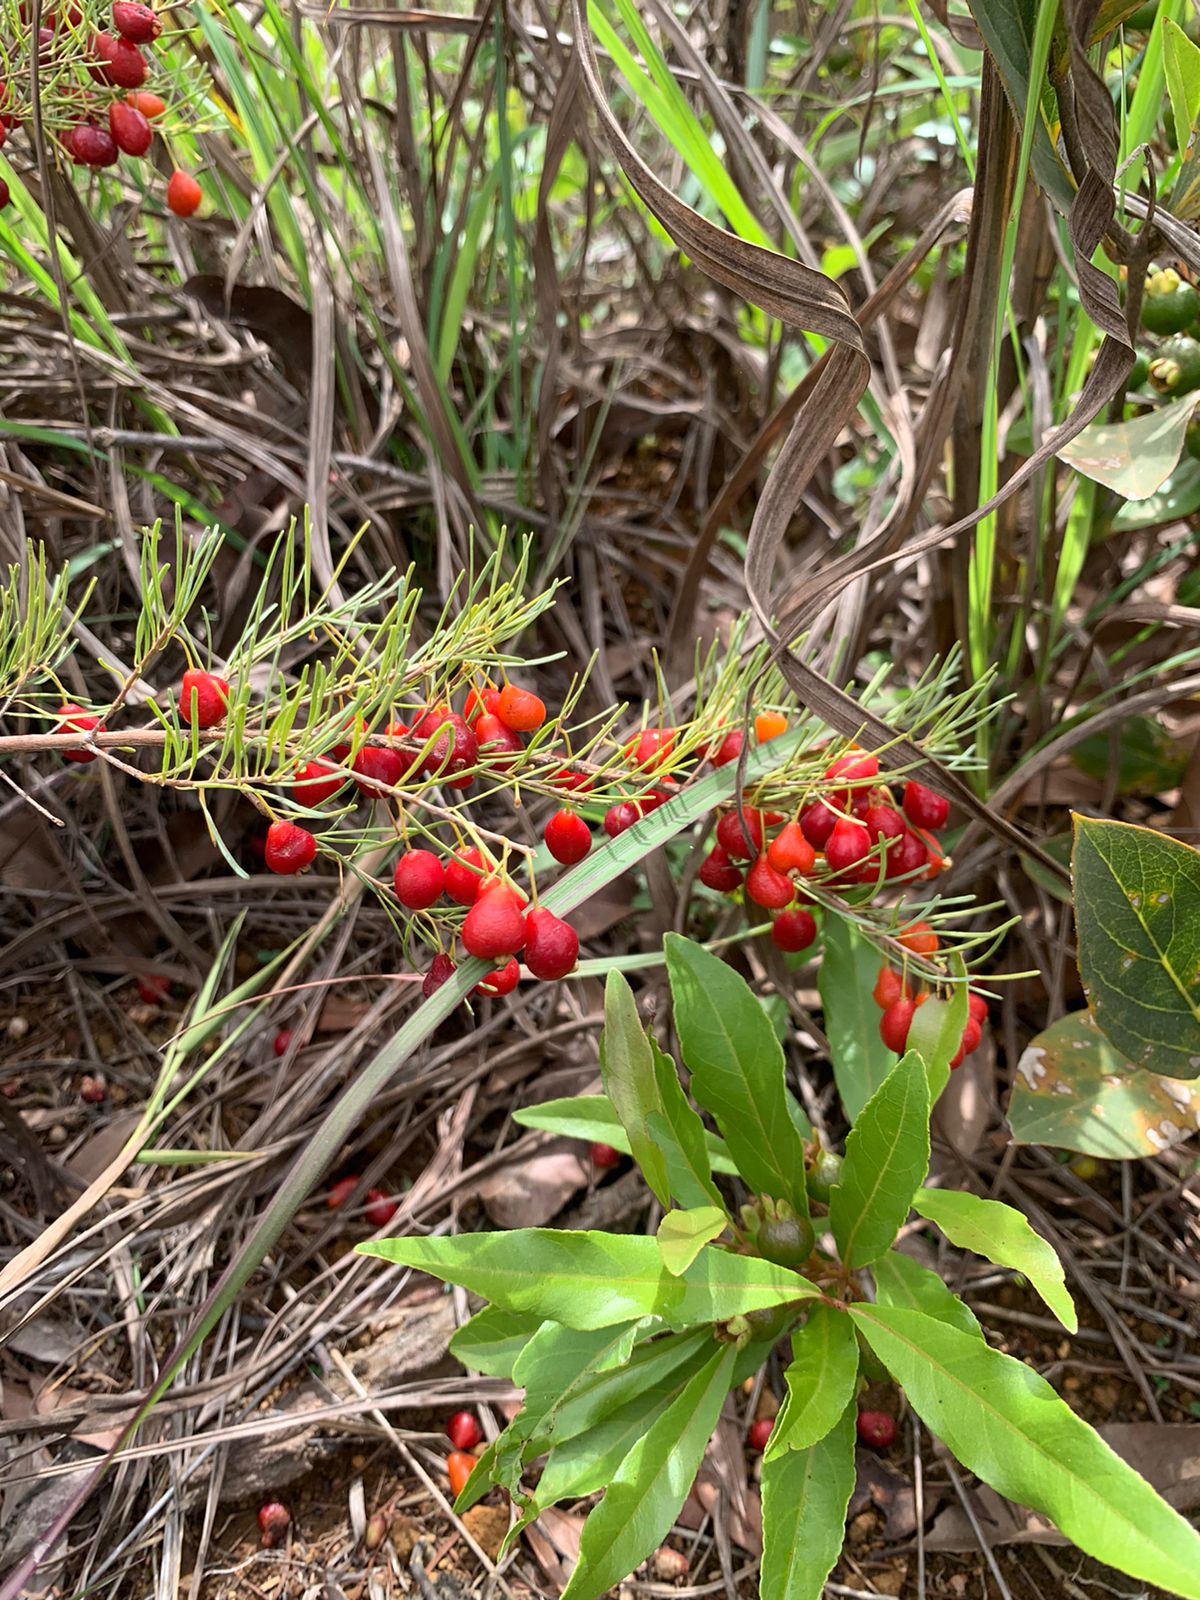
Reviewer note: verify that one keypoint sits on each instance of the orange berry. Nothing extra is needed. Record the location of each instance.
(184, 194)
(769, 725)
(459, 1467)
(150, 105)
(920, 938)
(520, 710)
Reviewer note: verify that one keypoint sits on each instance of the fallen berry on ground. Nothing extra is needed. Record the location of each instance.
(551, 945)
(604, 1156)
(877, 1429)
(419, 879)
(459, 1467)
(793, 931)
(759, 1433)
(519, 709)
(274, 1520)
(74, 719)
(184, 194)
(463, 1431)
(282, 1041)
(289, 849)
(568, 837)
(895, 1023)
(440, 969)
(92, 1090)
(340, 1193)
(153, 988)
(203, 698)
(381, 1208)
(495, 924)
(924, 808)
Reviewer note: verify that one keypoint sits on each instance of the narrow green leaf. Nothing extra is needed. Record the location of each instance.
(594, 1280)
(493, 1339)
(820, 1381)
(1006, 1424)
(627, 1069)
(805, 1494)
(683, 1234)
(1181, 64)
(737, 1069)
(849, 966)
(1137, 911)
(581, 1405)
(651, 1484)
(682, 1137)
(887, 1157)
(1072, 1089)
(998, 1233)
(592, 1117)
(901, 1281)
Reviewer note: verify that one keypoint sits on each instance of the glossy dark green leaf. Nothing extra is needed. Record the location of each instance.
(651, 1484)
(1006, 1424)
(1074, 1091)
(593, 1118)
(901, 1281)
(849, 967)
(1001, 1234)
(627, 1070)
(887, 1157)
(595, 1280)
(805, 1494)
(820, 1381)
(1137, 912)
(737, 1069)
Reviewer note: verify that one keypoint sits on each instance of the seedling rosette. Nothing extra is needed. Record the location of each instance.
(628, 1347)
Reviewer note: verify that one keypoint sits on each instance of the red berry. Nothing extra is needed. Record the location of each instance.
(718, 872)
(883, 822)
(847, 845)
(651, 748)
(760, 1432)
(441, 969)
(117, 62)
(340, 1193)
(377, 769)
(729, 749)
(790, 851)
(741, 837)
(464, 876)
(90, 146)
(92, 1091)
(568, 837)
(501, 982)
(131, 130)
(74, 719)
(455, 748)
(289, 849)
(282, 1042)
(793, 930)
(317, 782)
(551, 945)
(153, 988)
(766, 887)
(853, 768)
(924, 808)
(977, 1007)
(895, 1023)
(495, 740)
(605, 1156)
(876, 1429)
(463, 1431)
(920, 938)
(620, 817)
(203, 698)
(184, 194)
(889, 987)
(459, 1467)
(972, 1034)
(273, 1521)
(495, 924)
(906, 855)
(137, 23)
(5, 191)
(520, 710)
(419, 879)
(481, 702)
(817, 822)
(381, 1208)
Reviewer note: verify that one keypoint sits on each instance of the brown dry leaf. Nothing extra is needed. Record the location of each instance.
(528, 1193)
(554, 1539)
(963, 1112)
(880, 1485)
(94, 1154)
(745, 1526)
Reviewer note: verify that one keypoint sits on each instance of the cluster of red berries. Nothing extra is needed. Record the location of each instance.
(464, 1433)
(875, 1428)
(104, 126)
(379, 1209)
(899, 1004)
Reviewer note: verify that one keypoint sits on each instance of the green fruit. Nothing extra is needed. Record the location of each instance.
(770, 1323)
(1176, 367)
(1192, 443)
(787, 1241)
(1139, 372)
(1168, 304)
(823, 1175)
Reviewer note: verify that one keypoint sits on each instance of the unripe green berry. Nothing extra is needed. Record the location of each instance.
(770, 1323)
(823, 1176)
(787, 1241)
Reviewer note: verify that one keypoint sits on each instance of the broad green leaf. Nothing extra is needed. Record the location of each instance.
(592, 1117)
(1177, 498)
(937, 1030)
(901, 1281)
(998, 1233)
(1148, 759)
(581, 1405)
(682, 1137)
(651, 1484)
(493, 1339)
(887, 1157)
(1006, 1424)
(595, 1280)
(1181, 64)
(1135, 458)
(805, 1494)
(737, 1069)
(849, 967)
(627, 1068)
(820, 1381)
(683, 1234)
(1137, 912)
(1074, 1091)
